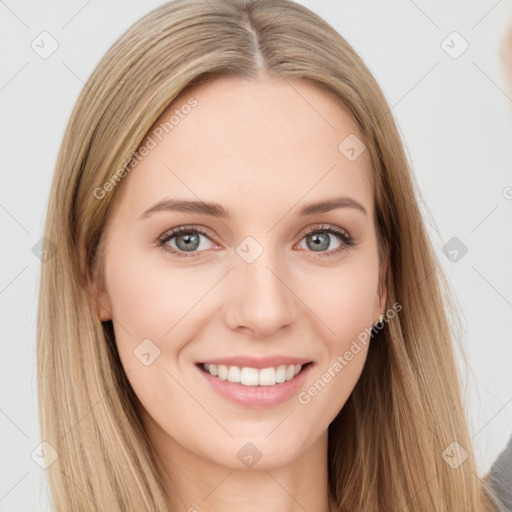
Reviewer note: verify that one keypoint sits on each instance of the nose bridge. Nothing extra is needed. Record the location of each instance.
(259, 295)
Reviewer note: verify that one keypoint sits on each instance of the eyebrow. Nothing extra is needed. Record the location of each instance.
(217, 210)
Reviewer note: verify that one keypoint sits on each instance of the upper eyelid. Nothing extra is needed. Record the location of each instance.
(173, 232)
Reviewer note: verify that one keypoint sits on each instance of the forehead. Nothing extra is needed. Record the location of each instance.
(249, 145)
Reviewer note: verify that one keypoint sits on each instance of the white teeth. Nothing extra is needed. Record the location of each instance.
(222, 371)
(234, 374)
(267, 377)
(281, 373)
(249, 376)
(252, 376)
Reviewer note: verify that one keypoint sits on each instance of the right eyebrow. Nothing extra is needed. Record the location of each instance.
(213, 209)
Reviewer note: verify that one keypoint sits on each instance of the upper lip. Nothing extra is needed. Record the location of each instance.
(257, 362)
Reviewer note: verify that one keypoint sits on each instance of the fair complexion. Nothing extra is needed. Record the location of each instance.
(263, 150)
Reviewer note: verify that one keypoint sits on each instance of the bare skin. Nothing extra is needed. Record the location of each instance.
(263, 150)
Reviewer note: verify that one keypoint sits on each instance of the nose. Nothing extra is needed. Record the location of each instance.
(260, 297)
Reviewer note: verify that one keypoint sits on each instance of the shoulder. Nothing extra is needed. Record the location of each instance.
(500, 477)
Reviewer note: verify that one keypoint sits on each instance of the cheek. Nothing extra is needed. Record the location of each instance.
(153, 301)
(150, 298)
(343, 299)
(153, 316)
(344, 307)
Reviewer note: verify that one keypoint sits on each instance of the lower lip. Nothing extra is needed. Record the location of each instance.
(257, 396)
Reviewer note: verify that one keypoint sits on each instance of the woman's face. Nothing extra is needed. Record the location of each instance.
(249, 285)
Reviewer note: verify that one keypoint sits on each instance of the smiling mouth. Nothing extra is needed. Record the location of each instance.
(248, 376)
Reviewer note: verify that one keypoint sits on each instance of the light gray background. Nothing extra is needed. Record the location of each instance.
(455, 117)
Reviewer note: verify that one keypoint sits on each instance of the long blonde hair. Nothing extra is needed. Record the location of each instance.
(386, 445)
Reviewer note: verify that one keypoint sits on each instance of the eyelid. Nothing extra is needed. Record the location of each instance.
(322, 226)
(184, 228)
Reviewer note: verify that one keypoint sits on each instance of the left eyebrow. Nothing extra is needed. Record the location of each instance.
(332, 204)
(217, 210)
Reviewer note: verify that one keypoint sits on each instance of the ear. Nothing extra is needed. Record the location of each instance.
(97, 292)
(380, 302)
(104, 308)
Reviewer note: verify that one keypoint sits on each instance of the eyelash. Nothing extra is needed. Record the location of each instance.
(347, 240)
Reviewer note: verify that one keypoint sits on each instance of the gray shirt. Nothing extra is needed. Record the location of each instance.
(500, 478)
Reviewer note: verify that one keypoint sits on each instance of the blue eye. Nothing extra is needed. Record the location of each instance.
(187, 239)
(321, 239)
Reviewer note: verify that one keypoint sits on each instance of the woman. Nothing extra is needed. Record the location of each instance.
(201, 355)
